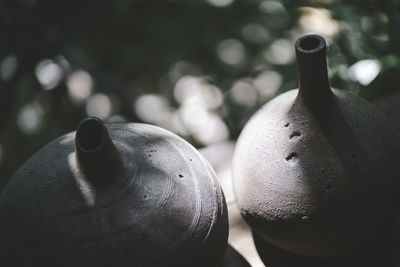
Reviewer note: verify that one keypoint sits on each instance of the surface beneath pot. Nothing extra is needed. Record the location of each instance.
(240, 237)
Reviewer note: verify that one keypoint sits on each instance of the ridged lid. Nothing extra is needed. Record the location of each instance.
(134, 192)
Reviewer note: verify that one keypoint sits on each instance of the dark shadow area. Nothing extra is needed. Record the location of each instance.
(234, 259)
(379, 254)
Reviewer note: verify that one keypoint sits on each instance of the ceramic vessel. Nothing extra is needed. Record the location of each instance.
(316, 168)
(114, 195)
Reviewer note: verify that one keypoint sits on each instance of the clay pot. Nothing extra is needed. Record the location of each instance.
(314, 170)
(114, 195)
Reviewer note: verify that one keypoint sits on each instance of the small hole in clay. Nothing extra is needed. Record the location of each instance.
(295, 134)
(286, 125)
(145, 197)
(180, 175)
(292, 156)
(149, 155)
(190, 159)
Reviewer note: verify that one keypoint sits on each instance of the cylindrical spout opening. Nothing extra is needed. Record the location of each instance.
(310, 44)
(90, 135)
(313, 75)
(97, 156)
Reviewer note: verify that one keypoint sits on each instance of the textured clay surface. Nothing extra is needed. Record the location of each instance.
(164, 207)
(320, 182)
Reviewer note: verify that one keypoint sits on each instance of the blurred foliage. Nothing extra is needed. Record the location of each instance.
(198, 68)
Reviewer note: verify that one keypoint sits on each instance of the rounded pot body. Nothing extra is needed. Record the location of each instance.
(115, 195)
(315, 168)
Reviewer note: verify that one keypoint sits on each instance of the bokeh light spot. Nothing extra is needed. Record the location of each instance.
(151, 108)
(99, 105)
(317, 20)
(181, 68)
(268, 83)
(364, 71)
(281, 52)
(272, 7)
(244, 93)
(231, 51)
(49, 73)
(193, 116)
(206, 127)
(276, 13)
(8, 67)
(178, 125)
(220, 3)
(255, 33)
(80, 86)
(196, 91)
(30, 118)
(213, 132)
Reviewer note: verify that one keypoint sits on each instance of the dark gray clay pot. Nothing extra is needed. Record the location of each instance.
(316, 169)
(115, 195)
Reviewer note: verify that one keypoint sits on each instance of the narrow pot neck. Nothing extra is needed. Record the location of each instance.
(97, 156)
(312, 68)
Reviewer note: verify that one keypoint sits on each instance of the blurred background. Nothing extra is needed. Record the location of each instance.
(198, 68)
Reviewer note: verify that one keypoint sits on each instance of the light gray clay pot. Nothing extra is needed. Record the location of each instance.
(315, 170)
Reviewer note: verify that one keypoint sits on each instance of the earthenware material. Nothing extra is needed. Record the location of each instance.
(114, 195)
(316, 169)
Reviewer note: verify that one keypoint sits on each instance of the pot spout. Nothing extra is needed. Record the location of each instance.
(98, 158)
(313, 76)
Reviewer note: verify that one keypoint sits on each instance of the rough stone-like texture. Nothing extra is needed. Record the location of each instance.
(312, 188)
(165, 208)
(316, 174)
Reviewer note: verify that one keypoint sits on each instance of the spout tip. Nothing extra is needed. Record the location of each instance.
(90, 135)
(313, 73)
(309, 44)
